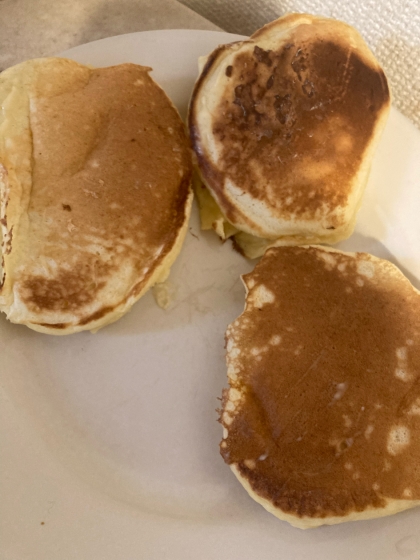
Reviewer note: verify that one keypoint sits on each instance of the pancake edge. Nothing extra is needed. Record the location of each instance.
(391, 508)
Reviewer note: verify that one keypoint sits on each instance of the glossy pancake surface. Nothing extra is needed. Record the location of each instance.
(285, 125)
(322, 417)
(95, 177)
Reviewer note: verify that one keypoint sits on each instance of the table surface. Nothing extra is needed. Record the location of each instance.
(34, 28)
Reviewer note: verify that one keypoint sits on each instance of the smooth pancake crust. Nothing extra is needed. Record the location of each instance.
(321, 421)
(95, 185)
(284, 127)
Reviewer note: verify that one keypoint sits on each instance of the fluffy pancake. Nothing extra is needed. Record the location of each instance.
(284, 127)
(322, 417)
(95, 183)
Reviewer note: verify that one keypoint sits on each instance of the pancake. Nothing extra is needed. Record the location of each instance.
(322, 417)
(284, 127)
(95, 184)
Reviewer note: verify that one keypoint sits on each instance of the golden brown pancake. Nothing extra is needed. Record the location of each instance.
(95, 183)
(322, 417)
(284, 126)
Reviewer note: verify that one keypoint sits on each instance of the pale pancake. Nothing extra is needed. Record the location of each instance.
(322, 417)
(284, 127)
(95, 179)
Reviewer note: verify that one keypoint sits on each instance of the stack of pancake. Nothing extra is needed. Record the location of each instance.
(285, 126)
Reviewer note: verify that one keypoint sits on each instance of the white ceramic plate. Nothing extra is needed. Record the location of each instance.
(109, 442)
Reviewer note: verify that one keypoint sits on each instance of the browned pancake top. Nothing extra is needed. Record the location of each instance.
(329, 367)
(111, 169)
(293, 123)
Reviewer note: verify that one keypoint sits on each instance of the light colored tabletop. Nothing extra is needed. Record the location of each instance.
(33, 28)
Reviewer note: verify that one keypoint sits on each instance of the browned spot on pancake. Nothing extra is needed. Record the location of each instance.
(7, 242)
(53, 325)
(67, 291)
(318, 370)
(262, 56)
(301, 118)
(95, 316)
